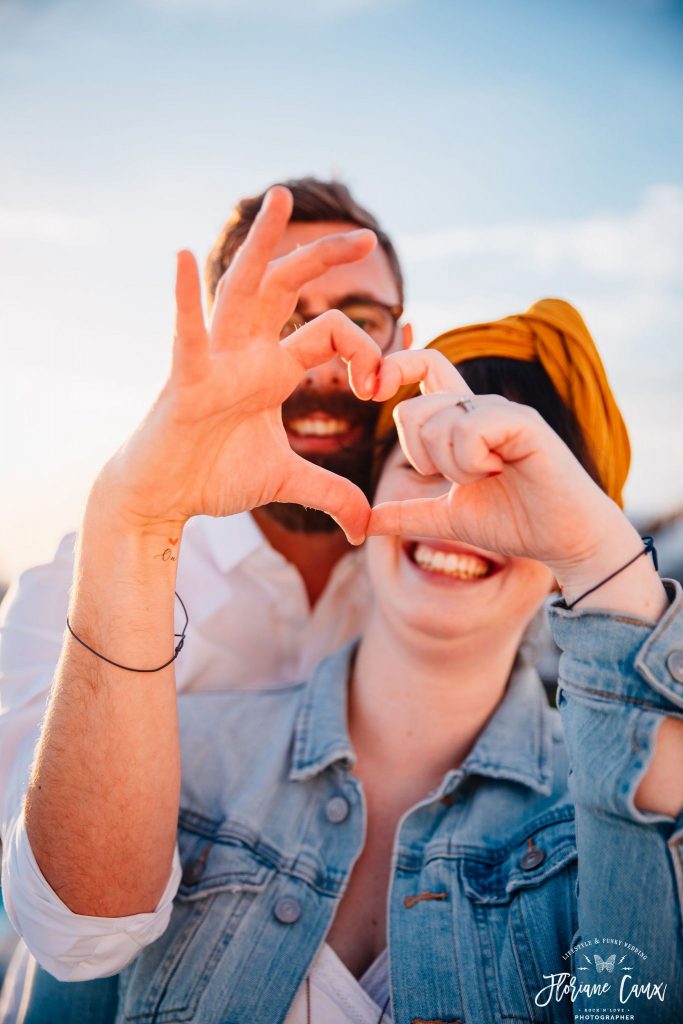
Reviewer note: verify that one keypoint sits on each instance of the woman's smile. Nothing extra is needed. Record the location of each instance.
(449, 562)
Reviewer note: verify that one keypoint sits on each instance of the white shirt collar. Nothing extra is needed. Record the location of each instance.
(230, 539)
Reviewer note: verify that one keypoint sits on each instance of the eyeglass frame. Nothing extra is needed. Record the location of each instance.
(395, 311)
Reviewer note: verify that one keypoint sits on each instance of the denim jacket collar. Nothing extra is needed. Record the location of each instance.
(515, 745)
(321, 735)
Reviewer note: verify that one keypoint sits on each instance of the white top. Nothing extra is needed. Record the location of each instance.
(238, 592)
(338, 998)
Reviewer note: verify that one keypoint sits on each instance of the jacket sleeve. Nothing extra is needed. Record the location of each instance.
(619, 678)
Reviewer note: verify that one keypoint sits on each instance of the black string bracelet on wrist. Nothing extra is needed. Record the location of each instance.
(127, 668)
(648, 549)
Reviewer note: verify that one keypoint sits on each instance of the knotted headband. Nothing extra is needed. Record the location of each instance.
(552, 333)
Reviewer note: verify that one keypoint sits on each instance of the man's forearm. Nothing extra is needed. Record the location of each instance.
(101, 810)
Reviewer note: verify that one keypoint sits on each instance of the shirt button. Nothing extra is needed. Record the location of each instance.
(674, 663)
(287, 910)
(337, 809)
(531, 859)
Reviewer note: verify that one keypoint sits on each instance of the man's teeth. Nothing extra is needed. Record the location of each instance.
(450, 563)
(317, 427)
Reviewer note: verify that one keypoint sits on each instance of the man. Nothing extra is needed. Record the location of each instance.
(269, 593)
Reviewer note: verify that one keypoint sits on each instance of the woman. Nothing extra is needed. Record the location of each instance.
(426, 763)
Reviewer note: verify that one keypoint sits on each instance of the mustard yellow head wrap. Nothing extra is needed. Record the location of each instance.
(552, 333)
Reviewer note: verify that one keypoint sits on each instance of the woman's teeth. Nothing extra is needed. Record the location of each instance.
(319, 427)
(450, 563)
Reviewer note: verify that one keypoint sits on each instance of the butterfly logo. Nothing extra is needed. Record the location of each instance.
(605, 965)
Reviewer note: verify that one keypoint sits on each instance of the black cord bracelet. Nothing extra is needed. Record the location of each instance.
(127, 668)
(648, 549)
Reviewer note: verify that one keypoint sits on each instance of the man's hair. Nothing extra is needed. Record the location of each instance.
(314, 200)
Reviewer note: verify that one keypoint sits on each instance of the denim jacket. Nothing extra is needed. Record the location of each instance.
(528, 866)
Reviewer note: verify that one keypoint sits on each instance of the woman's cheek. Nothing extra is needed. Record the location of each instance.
(534, 582)
(379, 553)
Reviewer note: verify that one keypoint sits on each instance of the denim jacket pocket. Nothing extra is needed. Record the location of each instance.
(221, 879)
(522, 898)
(213, 865)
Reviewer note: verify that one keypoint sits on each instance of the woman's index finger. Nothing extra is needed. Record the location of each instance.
(442, 376)
(426, 367)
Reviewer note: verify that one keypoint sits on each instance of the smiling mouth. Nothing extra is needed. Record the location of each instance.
(458, 565)
(319, 426)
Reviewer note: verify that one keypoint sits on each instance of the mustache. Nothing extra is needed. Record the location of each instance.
(339, 404)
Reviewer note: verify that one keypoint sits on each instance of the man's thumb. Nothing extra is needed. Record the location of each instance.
(315, 487)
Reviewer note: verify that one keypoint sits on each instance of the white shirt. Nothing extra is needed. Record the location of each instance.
(250, 625)
(336, 997)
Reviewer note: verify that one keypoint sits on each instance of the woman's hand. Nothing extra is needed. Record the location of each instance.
(517, 488)
(214, 442)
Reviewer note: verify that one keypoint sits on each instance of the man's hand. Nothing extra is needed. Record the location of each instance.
(214, 442)
(102, 806)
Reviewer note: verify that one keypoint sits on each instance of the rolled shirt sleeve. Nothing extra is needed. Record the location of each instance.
(73, 947)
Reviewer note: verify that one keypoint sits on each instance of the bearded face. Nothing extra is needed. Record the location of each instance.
(332, 429)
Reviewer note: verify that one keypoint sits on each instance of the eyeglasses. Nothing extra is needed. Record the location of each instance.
(377, 319)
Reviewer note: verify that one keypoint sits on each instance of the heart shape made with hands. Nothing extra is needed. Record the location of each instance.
(425, 438)
(510, 473)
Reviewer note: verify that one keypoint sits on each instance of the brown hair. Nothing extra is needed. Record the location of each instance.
(314, 200)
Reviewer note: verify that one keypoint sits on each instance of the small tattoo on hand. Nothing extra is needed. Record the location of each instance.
(166, 556)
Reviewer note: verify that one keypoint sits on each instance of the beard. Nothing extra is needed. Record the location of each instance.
(353, 461)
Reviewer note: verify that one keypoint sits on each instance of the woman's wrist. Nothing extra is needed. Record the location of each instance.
(634, 589)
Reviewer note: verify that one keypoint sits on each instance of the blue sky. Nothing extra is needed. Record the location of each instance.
(514, 149)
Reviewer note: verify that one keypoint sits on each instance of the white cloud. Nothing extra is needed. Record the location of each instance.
(647, 243)
(47, 226)
(623, 272)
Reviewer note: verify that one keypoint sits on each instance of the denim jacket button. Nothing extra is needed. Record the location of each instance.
(531, 859)
(287, 910)
(193, 871)
(674, 663)
(337, 809)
